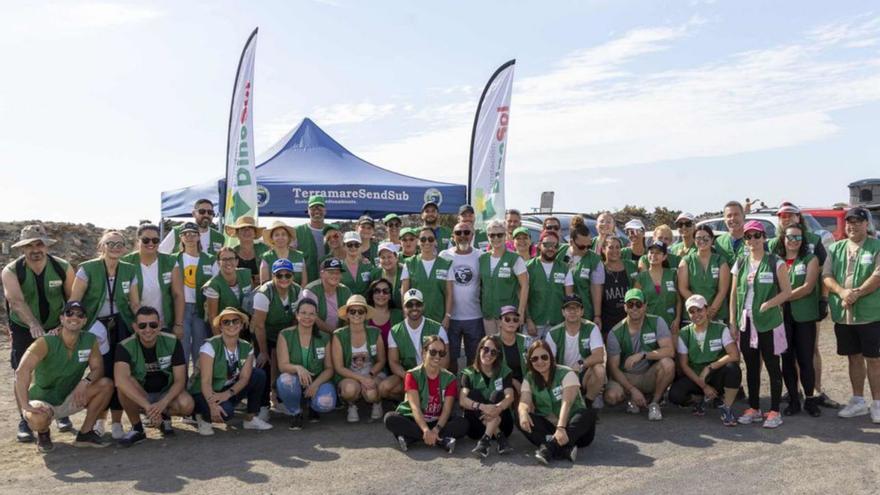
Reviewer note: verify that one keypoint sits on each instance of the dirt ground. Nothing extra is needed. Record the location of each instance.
(681, 454)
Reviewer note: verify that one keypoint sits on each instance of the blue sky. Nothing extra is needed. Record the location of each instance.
(683, 104)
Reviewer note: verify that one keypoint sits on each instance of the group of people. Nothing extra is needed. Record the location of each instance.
(310, 319)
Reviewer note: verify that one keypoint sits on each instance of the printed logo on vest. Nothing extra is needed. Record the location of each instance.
(765, 278)
(373, 349)
(649, 338)
(441, 274)
(585, 343)
(715, 272)
(298, 266)
(126, 286)
(670, 285)
(557, 392)
(499, 384)
(54, 284)
(164, 362)
(166, 278)
(585, 273)
(207, 270)
(504, 272)
(319, 351)
(558, 278)
(83, 355)
(715, 345)
(800, 269)
(867, 259)
(365, 277)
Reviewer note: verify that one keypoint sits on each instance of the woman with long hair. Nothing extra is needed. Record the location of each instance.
(486, 394)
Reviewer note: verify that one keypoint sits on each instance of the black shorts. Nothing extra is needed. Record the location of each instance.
(21, 340)
(858, 339)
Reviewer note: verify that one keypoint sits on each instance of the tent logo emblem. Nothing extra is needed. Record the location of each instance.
(433, 195)
(262, 196)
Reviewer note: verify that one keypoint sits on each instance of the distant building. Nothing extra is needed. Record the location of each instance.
(864, 192)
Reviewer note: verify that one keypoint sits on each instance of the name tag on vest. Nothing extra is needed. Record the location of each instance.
(83, 355)
(441, 274)
(585, 343)
(670, 285)
(319, 351)
(558, 278)
(483, 245)
(164, 362)
(126, 286)
(499, 385)
(166, 278)
(557, 392)
(373, 349)
(867, 259)
(207, 270)
(298, 266)
(765, 278)
(649, 338)
(800, 269)
(715, 271)
(217, 246)
(584, 273)
(715, 345)
(504, 272)
(54, 284)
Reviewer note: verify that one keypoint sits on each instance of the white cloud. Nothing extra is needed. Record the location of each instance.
(351, 113)
(60, 19)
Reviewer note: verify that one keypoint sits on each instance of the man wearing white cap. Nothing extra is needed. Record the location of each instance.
(635, 231)
(686, 245)
(389, 269)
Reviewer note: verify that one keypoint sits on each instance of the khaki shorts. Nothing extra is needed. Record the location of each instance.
(645, 382)
(67, 408)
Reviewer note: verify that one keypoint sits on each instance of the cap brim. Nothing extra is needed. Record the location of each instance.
(45, 240)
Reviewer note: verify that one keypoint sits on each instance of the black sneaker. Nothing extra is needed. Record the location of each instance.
(132, 437)
(402, 443)
(89, 439)
(811, 405)
(296, 422)
(44, 442)
(447, 443)
(314, 417)
(503, 446)
(166, 429)
(793, 407)
(482, 448)
(543, 455)
(24, 435)
(65, 424)
(699, 408)
(825, 401)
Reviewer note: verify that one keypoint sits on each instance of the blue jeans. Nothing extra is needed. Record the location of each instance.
(471, 331)
(252, 393)
(291, 391)
(194, 333)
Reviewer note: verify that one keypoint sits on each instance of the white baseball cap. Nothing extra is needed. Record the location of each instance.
(351, 237)
(413, 294)
(634, 224)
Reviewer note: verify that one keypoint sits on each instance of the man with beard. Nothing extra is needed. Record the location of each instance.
(547, 281)
(466, 214)
(310, 236)
(431, 219)
(465, 321)
(211, 239)
(35, 286)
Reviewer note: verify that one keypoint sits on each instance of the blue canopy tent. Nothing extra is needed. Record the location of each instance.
(308, 161)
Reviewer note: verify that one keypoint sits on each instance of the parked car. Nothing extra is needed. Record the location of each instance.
(767, 217)
(832, 219)
(534, 222)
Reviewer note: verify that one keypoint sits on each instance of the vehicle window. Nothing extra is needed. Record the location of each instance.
(811, 222)
(827, 223)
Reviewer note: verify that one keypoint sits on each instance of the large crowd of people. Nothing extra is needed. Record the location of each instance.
(470, 332)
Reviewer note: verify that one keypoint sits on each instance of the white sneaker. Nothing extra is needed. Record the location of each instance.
(377, 412)
(856, 407)
(264, 414)
(204, 427)
(257, 424)
(116, 431)
(654, 413)
(353, 416)
(875, 412)
(99, 427)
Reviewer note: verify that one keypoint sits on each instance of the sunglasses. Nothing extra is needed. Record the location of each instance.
(149, 240)
(540, 357)
(392, 225)
(490, 351)
(382, 291)
(413, 304)
(634, 304)
(549, 245)
(579, 247)
(756, 235)
(794, 237)
(496, 236)
(352, 245)
(462, 232)
(695, 310)
(152, 324)
(70, 313)
(511, 319)
(229, 323)
(357, 312)
(230, 259)
(114, 244)
(685, 225)
(633, 232)
(551, 227)
(435, 353)
(205, 211)
(429, 240)
(284, 275)
(702, 238)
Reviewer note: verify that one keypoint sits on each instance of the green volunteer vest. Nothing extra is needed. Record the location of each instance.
(164, 351)
(405, 349)
(805, 308)
(867, 308)
(764, 290)
(648, 336)
(278, 318)
(705, 281)
(679, 250)
(203, 273)
(523, 349)
(372, 254)
(167, 262)
(724, 247)
(217, 240)
(57, 374)
(96, 290)
(498, 287)
(811, 239)
(259, 250)
(344, 336)
(444, 237)
(581, 272)
(548, 400)
(422, 379)
(306, 244)
(673, 260)
(378, 273)
(627, 252)
(293, 255)
(662, 304)
(219, 369)
(557, 334)
(486, 385)
(432, 285)
(317, 288)
(712, 349)
(313, 358)
(360, 282)
(228, 298)
(53, 289)
(481, 239)
(546, 294)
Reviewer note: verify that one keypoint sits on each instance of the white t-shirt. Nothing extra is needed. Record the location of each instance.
(726, 338)
(105, 306)
(519, 267)
(151, 293)
(190, 265)
(572, 356)
(465, 275)
(750, 287)
(415, 336)
(426, 264)
(261, 302)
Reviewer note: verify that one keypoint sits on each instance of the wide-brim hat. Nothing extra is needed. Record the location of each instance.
(267, 232)
(34, 232)
(242, 222)
(231, 311)
(355, 300)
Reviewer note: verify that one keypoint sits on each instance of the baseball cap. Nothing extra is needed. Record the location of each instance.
(387, 246)
(328, 227)
(787, 207)
(465, 209)
(282, 264)
(753, 225)
(331, 264)
(658, 245)
(366, 219)
(73, 305)
(389, 217)
(634, 224)
(189, 227)
(351, 237)
(408, 231)
(858, 212)
(572, 299)
(685, 217)
(506, 310)
(430, 203)
(634, 294)
(695, 301)
(520, 230)
(316, 200)
(413, 295)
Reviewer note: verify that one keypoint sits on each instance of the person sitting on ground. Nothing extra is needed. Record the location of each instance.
(577, 344)
(150, 375)
(426, 411)
(486, 394)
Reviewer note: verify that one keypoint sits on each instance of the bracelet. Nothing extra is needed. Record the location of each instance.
(560, 427)
(475, 406)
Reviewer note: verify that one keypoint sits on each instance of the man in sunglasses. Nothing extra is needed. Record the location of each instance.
(49, 380)
(639, 358)
(548, 277)
(431, 219)
(35, 286)
(577, 343)
(465, 320)
(150, 375)
(210, 239)
(467, 215)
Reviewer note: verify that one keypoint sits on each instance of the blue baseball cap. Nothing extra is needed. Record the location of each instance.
(282, 264)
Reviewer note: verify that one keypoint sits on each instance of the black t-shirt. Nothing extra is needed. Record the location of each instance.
(155, 380)
(43, 301)
(514, 361)
(506, 382)
(616, 285)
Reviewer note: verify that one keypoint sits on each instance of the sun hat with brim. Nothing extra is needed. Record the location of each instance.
(243, 222)
(695, 301)
(328, 227)
(753, 225)
(316, 200)
(267, 233)
(634, 294)
(33, 233)
(231, 311)
(353, 301)
(520, 230)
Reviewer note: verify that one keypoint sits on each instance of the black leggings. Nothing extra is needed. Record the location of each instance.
(729, 376)
(476, 428)
(752, 358)
(801, 336)
(580, 430)
(406, 427)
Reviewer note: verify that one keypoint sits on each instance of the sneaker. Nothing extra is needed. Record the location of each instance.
(205, 428)
(632, 408)
(116, 431)
(825, 401)
(24, 435)
(727, 416)
(482, 448)
(44, 442)
(503, 446)
(314, 417)
(751, 416)
(296, 422)
(773, 420)
(875, 412)
(793, 407)
(811, 405)
(598, 402)
(377, 412)
(166, 429)
(699, 408)
(264, 414)
(353, 416)
(89, 439)
(99, 427)
(654, 413)
(856, 407)
(256, 423)
(132, 437)
(543, 455)
(447, 443)
(402, 443)
(64, 424)
(572, 453)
